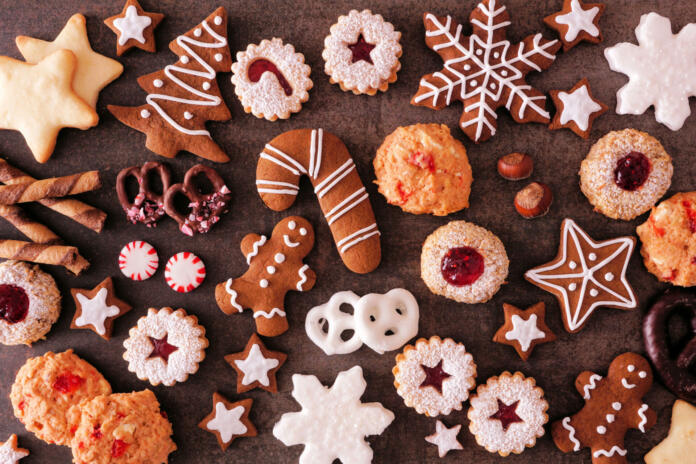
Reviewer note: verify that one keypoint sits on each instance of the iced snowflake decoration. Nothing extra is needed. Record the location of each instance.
(333, 422)
(484, 70)
(661, 70)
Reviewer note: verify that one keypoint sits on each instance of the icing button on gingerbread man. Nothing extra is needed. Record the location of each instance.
(612, 405)
(275, 267)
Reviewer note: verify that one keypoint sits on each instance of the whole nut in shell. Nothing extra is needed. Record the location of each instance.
(534, 200)
(515, 166)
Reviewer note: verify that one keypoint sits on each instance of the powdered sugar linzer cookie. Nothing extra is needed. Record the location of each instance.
(271, 79)
(165, 347)
(184, 272)
(362, 53)
(138, 260)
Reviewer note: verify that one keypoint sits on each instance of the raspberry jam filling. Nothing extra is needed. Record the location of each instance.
(67, 383)
(632, 171)
(434, 376)
(462, 266)
(119, 448)
(161, 348)
(14, 303)
(506, 414)
(361, 50)
(260, 66)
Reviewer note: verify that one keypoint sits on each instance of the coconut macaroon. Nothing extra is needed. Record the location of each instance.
(625, 173)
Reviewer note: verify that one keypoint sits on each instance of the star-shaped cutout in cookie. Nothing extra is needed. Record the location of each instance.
(161, 348)
(586, 274)
(229, 420)
(134, 27)
(434, 376)
(361, 50)
(681, 440)
(38, 100)
(93, 71)
(10, 453)
(524, 329)
(445, 439)
(576, 109)
(506, 414)
(577, 21)
(256, 366)
(97, 309)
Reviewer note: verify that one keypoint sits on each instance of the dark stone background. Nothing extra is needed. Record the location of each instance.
(362, 122)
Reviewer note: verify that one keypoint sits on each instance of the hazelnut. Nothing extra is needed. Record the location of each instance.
(515, 166)
(534, 200)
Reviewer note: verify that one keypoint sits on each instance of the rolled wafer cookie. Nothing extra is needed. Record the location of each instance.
(58, 255)
(50, 188)
(82, 213)
(325, 159)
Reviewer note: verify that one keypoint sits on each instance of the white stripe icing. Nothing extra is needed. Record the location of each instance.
(333, 215)
(643, 419)
(350, 240)
(571, 433)
(591, 386)
(318, 188)
(303, 277)
(614, 450)
(255, 251)
(269, 315)
(233, 296)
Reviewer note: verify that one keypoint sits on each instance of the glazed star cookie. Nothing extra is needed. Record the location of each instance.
(524, 329)
(681, 440)
(625, 173)
(10, 452)
(97, 309)
(577, 22)
(229, 420)
(613, 404)
(45, 389)
(271, 79)
(326, 434)
(508, 413)
(122, 428)
(464, 262)
(434, 376)
(134, 27)
(445, 439)
(165, 347)
(256, 366)
(362, 53)
(423, 169)
(576, 109)
(29, 303)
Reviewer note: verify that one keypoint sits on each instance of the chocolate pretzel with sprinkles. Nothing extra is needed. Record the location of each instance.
(325, 159)
(147, 206)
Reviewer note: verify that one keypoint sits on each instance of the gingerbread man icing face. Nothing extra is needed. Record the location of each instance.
(631, 372)
(295, 235)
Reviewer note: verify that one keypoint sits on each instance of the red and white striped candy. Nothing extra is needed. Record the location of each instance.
(184, 272)
(138, 260)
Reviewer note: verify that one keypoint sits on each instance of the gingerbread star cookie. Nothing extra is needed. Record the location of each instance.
(134, 27)
(256, 366)
(681, 440)
(577, 21)
(10, 453)
(586, 274)
(93, 71)
(229, 420)
(576, 109)
(524, 329)
(97, 309)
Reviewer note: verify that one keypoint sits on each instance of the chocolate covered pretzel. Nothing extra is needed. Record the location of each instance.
(147, 206)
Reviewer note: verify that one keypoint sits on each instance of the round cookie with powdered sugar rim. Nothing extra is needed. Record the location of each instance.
(271, 79)
(434, 376)
(362, 53)
(508, 413)
(165, 347)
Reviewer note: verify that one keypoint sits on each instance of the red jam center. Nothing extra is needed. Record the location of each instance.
(506, 414)
(14, 303)
(361, 50)
(260, 66)
(67, 383)
(161, 348)
(119, 448)
(632, 171)
(462, 266)
(434, 376)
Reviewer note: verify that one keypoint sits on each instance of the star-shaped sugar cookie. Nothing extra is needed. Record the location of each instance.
(577, 21)
(229, 420)
(681, 440)
(134, 27)
(524, 329)
(256, 366)
(445, 439)
(10, 453)
(576, 109)
(97, 309)
(38, 100)
(93, 71)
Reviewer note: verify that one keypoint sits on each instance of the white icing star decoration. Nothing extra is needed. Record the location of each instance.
(578, 106)
(10, 453)
(661, 70)
(445, 439)
(333, 423)
(578, 20)
(524, 331)
(132, 26)
(255, 367)
(95, 311)
(227, 422)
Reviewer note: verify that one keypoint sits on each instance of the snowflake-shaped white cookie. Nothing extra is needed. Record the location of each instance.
(333, 423)
(661, 70)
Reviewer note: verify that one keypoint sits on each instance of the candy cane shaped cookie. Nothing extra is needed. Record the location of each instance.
(323, 158)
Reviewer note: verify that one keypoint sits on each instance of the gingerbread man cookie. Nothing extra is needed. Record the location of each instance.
(275, 267)
(613, 404)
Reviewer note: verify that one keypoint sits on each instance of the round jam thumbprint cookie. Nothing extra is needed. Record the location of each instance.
(669, 240)
(423, 169)
(464, 262)
(625, 173)
(362, 53)
(271, 79)
(29, 303)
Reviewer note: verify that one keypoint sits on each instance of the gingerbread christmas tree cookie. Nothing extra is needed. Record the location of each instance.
(256, 366)
(134, 27)
(524, 329)
(229, 420)
(97, 309)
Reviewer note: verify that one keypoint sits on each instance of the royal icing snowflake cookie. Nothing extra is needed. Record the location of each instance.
(445, 439)
(271, 79)
(134, 27)
(333, 422)
(434, 376)
(508, 413)
(184, 272)
(97, 309)
(229, 420)
(362, 53)
(165, 347)
(256, 366)
(576, 109)
(577, 21)
(524, 329)
(138, 260)
(10, 452)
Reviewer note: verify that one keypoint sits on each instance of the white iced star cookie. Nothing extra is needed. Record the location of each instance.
(661, 70)
(333, 423)
(256, 366)
(577, 22)
(131, 26)
(229, 420)
(524, 329)
(576, 109)
(445, 439)
(97, 309)
(10, 453)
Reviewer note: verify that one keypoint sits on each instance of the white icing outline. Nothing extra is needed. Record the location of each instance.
(643, 418)
(233, 296)
(591, 386)
(255, 248)
(614, 450)
(571, 433)
(303, 277)
(270, 314)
